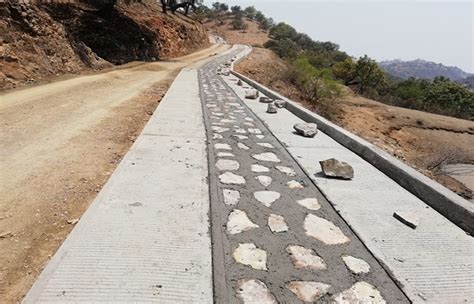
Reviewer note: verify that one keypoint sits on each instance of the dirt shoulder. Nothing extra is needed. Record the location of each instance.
(425, 141)
(60, 143)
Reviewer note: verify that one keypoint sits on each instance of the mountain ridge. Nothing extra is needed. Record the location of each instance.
(420, 68)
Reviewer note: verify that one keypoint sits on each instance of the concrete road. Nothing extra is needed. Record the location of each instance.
(210, 180)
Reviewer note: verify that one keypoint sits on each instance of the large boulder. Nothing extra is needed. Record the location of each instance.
(337, 169)
(306, 129)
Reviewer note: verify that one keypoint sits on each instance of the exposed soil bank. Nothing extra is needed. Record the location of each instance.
(42, 41)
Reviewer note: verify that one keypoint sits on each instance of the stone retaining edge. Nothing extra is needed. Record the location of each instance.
(449, 204)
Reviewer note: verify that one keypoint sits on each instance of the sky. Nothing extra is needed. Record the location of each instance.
(439, 31)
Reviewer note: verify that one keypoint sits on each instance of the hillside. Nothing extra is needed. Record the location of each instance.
(421, 69)
(253, 35)
(43, 41)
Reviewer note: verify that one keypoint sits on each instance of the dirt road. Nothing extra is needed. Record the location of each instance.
(60, 142)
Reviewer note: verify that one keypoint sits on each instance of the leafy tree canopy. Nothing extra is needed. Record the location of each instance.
(250, 12)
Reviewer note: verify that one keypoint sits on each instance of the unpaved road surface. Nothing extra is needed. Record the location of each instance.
(60, 143)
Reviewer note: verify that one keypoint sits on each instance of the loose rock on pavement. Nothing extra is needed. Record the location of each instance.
(337, 169)
(272, 109)
(280, 103)
(251, 94)
(264, 99)
(306, 129)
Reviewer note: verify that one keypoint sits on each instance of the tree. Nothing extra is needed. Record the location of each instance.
(444, 95)
(237, 11)
(344, 70)
(266, 24)
(412, 89)
(202, 12)
(259, 17)
(368, 74)
(224, 7)
(239, 24)
(285, 48)
(216, 6)
(164, 4)
(283, 31)
(250, 12)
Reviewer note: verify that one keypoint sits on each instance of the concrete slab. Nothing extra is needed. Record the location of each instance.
(433, 263)
(145, 238)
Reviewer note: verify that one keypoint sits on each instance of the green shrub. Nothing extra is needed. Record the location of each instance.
(317, 86)
(448, 97)
(239, 24)
(284, 48)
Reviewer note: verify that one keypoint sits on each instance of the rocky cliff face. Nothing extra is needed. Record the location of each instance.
(41, 41)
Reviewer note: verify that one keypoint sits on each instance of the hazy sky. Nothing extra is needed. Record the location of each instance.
(439, 31)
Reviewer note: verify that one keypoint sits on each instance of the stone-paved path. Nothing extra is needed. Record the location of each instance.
(275, 237)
